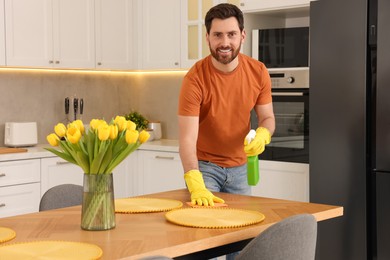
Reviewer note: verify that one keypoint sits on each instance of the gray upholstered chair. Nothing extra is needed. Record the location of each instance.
(293, 238)
(61, 196)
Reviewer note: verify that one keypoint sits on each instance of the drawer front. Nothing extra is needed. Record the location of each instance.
(19, 172)
(19, 199)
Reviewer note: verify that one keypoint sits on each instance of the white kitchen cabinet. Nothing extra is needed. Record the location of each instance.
(56, 171)
(19, 187)
(159, 34)
(2, 34)
(283, 180)
(50, 33)
(249, 6)
(159, 171)
(115, 27)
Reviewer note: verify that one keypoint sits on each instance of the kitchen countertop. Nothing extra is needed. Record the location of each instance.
(39, 151)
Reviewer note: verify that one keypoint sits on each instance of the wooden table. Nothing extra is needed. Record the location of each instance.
(140, 235)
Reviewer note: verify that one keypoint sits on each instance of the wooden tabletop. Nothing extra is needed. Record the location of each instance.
(145, 234)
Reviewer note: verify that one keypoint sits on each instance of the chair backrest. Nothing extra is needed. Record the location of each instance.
(61, 196)
(293, 238)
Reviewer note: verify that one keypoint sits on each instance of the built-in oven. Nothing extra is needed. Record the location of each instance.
(290, 97)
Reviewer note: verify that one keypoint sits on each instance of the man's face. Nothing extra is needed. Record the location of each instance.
(225, 39)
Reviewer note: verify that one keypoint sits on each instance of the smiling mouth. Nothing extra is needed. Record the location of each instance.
(224, 51)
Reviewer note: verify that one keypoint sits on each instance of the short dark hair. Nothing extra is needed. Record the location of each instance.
(224, 11)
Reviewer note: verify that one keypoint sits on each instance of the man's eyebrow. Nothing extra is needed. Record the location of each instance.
(229, 32)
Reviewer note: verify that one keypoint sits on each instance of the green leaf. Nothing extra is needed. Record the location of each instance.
(63, 155)
(106, 160)
(121, 156)
(84, 164)
(97, 160)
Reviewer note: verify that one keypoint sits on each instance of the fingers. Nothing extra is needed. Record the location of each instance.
(218, 200)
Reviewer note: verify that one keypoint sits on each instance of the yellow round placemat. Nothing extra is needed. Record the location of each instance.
(6, 234)
(50, 250)
(144, 205)
(214, 217)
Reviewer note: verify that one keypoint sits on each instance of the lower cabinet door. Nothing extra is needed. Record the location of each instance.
(19, 199)
(56, 171)
(283, 180)
(161, 171)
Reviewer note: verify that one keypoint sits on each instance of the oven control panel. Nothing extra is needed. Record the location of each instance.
(295, 78)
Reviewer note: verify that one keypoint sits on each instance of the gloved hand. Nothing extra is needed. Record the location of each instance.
(257, 146)
(199, 193)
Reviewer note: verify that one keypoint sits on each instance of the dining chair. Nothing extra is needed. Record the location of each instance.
(293, 238)
(64, 195)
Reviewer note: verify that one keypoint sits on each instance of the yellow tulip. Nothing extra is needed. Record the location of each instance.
(73, 134)
(79, 124)
(113, 131)
(60, 129)
(131, 125)
(143, 136)
(96, 123)
(121, 122)
(53, 139)
(103, 132)
(131, 136)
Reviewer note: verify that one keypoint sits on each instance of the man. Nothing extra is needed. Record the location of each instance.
(215, 101)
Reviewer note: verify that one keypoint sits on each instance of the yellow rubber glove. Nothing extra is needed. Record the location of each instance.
(199, 193)
(257, 146)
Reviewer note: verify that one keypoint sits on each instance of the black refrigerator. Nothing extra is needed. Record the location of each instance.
(350, 126)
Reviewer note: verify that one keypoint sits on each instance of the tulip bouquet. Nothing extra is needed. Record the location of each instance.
(97, 151)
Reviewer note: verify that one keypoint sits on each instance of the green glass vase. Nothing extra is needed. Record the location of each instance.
(98, 208)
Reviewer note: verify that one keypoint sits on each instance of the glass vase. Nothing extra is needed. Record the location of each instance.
(98, 208)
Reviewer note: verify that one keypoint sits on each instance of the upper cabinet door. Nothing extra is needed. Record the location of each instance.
(74, 33)
(28, 26)
(114, 34)
(160, 32)
(2, 34)
(50, 33)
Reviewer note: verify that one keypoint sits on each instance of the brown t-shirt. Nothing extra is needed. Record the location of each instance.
(223, 102)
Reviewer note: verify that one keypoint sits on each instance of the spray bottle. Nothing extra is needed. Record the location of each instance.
(252, 164)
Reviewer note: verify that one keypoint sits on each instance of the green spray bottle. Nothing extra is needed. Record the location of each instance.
(252, 164)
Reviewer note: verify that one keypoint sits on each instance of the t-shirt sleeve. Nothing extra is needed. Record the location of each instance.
(265, 96)
(189, 97)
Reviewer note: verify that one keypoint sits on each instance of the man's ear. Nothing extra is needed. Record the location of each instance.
(243, 35)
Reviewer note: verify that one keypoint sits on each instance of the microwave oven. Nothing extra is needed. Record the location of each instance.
(281, 47)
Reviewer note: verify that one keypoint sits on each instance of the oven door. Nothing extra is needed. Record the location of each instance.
(290, 141)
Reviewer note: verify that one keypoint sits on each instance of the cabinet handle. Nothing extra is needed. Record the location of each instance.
(176, 63)
(61, 163)
(57, 61)
(2, 174)
(2, 205)
(50, 62)
(242, 4)
(99, 63)
(165, 157)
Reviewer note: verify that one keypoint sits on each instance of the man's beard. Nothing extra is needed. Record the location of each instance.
(225, 59)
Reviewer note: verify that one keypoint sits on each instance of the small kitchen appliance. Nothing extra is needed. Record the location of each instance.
(19, 134)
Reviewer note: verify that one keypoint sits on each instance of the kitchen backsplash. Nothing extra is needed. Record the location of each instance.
(38, 95)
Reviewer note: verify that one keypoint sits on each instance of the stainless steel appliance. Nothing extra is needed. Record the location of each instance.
(350, 126)
(281, 47)
(290, 97)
